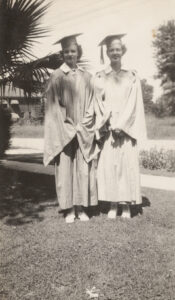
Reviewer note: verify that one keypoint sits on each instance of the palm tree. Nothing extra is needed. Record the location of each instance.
(31, 76)
(19, 29)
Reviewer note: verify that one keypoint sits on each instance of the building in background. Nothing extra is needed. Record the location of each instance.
(27, 108)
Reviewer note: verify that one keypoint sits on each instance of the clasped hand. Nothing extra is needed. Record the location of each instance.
(116, 131)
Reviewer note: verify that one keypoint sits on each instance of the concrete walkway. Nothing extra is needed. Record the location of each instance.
(37, 144)
(149, 181)
(158, 182)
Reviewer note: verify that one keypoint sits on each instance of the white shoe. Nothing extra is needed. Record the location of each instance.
(112, 214)
(126, 213)
(83, 216)
(70, 217)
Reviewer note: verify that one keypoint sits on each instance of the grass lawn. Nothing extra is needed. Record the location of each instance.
(43, 258)
(163, 128)
(160, 128)
(27, 131)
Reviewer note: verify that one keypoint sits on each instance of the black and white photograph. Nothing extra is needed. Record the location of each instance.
(87, 149)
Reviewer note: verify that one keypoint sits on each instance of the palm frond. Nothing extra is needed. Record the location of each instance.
(20, 26)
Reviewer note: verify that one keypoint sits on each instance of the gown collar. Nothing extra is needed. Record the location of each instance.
(66, 69)
(109, 69)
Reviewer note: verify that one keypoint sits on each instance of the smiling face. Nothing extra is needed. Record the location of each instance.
(70, 55)
(115, 51)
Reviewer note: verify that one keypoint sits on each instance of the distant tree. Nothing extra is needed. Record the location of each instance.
(147, 91)
(164, 45)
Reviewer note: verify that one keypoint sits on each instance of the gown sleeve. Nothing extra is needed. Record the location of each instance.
(102, 113)
(132, 118)
(93, 121)
(57, 131)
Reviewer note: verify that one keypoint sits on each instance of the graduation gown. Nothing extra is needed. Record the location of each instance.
(118, 173)
(69, 136)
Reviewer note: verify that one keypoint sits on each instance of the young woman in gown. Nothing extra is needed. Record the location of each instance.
(70, 104)
(118, 173)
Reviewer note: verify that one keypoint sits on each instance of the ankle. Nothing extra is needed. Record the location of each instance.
(125, 208)
(113, 206)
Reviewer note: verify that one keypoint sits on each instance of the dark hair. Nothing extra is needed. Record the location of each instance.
(124, 49)
(79, 50)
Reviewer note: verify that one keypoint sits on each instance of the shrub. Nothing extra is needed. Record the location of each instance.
(5, 130)
(156, 160)
(165, 106)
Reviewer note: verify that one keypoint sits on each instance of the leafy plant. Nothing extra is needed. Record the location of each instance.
(156, 160)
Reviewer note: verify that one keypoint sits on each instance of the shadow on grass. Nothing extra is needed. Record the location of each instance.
(36, 158)
(104, 207)
(29, 158)
(25, 196)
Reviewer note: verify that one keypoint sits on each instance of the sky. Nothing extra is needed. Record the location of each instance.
(139, 19)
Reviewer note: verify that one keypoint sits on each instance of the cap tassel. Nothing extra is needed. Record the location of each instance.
(102, 61)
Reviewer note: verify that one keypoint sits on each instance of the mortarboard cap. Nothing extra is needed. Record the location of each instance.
(108, 39)
(67, 40)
